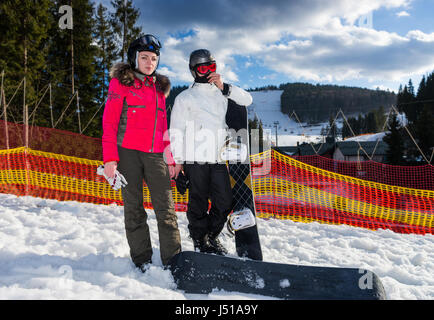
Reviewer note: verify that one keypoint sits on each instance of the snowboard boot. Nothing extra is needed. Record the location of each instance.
(202, 245)
(216, 244)
(143, 267)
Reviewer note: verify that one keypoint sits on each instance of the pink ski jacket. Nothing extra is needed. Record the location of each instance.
(135, 114)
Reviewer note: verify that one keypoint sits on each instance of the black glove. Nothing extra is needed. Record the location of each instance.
(182, 183)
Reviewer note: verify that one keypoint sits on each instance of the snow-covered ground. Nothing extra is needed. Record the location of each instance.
(368, 137)
(70, 250)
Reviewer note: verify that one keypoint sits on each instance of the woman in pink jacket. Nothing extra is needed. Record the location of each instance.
(134, 125)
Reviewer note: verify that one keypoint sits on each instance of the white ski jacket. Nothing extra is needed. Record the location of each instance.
(198, 128)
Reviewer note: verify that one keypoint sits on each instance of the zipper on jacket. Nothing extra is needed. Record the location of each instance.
(156, 115)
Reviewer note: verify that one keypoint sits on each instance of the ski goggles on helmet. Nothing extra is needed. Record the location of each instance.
(205, 68)
(149, 43)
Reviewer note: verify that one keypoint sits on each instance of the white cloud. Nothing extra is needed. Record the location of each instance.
(313, 40)
(354, 53)
(248, 64)
(420, 36)
(402, 14)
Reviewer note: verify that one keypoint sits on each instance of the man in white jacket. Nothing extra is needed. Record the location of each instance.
(198, 132)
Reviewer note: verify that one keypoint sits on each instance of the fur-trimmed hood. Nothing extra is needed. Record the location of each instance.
(126, 75)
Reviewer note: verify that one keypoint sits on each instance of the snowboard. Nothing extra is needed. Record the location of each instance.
(201, 273)
(247, 241)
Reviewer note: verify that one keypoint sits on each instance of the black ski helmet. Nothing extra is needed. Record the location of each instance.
(200, 56)
(148, 42)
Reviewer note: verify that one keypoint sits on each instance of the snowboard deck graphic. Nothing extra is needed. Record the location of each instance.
(247, 241)
(202, 273)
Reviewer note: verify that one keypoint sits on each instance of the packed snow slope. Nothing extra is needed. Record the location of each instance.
(70, 250)
(266, 107)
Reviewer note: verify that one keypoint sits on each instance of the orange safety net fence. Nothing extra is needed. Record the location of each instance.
(58, 165)
(50, 140)
(24, 171)
(287, 188)
(63, 167)
(417, 177)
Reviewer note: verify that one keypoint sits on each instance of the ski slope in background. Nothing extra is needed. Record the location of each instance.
(70, 250)
(266, 107)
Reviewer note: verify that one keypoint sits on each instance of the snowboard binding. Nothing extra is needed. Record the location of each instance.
(239, 220)
(233, 150)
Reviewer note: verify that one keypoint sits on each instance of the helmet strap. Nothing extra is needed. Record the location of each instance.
(137, 60)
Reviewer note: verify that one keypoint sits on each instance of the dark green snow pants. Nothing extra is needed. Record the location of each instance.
(137, 166)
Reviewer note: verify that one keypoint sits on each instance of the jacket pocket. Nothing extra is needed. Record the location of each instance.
(137, 117)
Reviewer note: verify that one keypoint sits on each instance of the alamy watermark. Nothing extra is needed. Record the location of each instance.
(366, 281)
(366, 21)
(65, 276)
(65, 21)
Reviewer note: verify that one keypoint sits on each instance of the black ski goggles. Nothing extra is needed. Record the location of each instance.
(149, 43)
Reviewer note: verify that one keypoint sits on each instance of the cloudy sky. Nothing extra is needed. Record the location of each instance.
(364, 43)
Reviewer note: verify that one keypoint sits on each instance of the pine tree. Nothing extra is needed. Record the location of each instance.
(72, 66)
(429, 85)
(421, 91)
(410, 88)
(424, 129)
(395, 142)
(261, 136)
(370, 122)
(254, 139)
(406, 102)
(351, 127)
(380, 119)
(23, 38)
(124, 21)
(106, 50)
(257, 139)
(59, 68)
(86, 81)
(332, 129)
(346, 132)
(423, 125)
